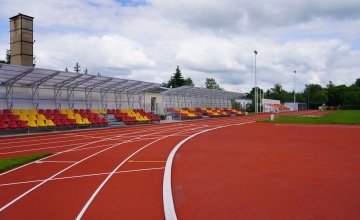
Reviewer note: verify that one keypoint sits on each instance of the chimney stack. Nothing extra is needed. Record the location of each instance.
(21, 40)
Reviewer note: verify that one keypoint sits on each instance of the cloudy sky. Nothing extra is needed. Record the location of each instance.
(147, 39)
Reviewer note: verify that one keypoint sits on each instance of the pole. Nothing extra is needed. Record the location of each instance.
(260, 101)
(294, 87)
(256, 90)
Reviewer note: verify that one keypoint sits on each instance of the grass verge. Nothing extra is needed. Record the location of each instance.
(333, 117)
(9, 163)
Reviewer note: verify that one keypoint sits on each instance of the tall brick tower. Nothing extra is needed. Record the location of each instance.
(21, 40)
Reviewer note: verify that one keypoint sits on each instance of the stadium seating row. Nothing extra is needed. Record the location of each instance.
(193, 113)
(131, 116)
(278, 106)
(50, 111)
(49, 118)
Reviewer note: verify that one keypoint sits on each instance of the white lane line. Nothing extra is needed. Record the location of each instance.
(54, 161)
(169, 208)
(81, 176)
(112, 173)
(58, 173)
(89, 143)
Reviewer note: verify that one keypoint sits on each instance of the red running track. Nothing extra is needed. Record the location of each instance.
(269, 171)
(118, 173)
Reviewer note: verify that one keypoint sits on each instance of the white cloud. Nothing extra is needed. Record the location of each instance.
(146, 40)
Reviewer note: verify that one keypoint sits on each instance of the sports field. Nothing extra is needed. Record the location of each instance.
(227, 168)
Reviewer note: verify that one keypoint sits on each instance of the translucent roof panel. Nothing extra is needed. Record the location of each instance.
(203, 92)
(33, 76)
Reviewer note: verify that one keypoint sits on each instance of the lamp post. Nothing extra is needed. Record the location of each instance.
(294, 87)
(256, 90)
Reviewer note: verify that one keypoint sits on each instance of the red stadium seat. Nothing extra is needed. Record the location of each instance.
(72, 122)
(49, 111)
(3, 125)
(12, 124)
(104, 121)
(56, 111)
(6, 112)
(58, 122)
(22, 124)
(41, 111)
(4, 117)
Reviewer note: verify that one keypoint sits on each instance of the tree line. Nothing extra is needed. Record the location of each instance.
(177, 80)
(314, 95)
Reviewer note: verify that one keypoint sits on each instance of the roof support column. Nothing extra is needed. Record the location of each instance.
(35, 89)
(9, 88)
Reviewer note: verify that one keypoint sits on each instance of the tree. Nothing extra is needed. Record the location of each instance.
(176, 80)
(357, 83)
(210, 83)
(336, 95)
(188, 82)
(7, 57)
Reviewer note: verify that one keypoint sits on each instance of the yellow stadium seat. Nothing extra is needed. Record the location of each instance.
(79, 121)
(25, 111)
(63, 111)
(32, 124)
(24, 117)
(69, 111)
(77, 116)
(71, 116)
(41, 123)
(86, 121)
(33, 112)
(32, 117)
(102, 111)
(16, 112)
(95, 111)
(49, 123)
(41, 117)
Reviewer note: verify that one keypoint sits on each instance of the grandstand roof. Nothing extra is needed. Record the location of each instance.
(29, 76)
(203, 92)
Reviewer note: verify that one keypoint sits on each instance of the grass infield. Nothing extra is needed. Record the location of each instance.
(9, 163)
(333, 117)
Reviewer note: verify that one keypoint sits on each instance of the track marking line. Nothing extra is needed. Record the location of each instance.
(165, 128)
(83, 210)
(146, 161)
(92, 155)
(54, 161)
(81, 176)
(168, 201)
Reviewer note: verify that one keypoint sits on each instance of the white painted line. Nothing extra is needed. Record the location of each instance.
(80, 176)
(54, 161)
(85, 144)
(112, 173)
(169, 208)
(58, 173)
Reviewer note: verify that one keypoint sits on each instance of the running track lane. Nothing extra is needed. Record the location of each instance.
(61, 185)
(269, 171)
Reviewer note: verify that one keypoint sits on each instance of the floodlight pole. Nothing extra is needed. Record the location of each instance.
(256, 90)
(294, 87)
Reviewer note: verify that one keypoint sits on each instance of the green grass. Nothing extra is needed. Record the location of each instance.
(333, 117)
(9, 163)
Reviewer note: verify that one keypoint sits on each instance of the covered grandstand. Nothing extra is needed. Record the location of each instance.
(87, 97)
